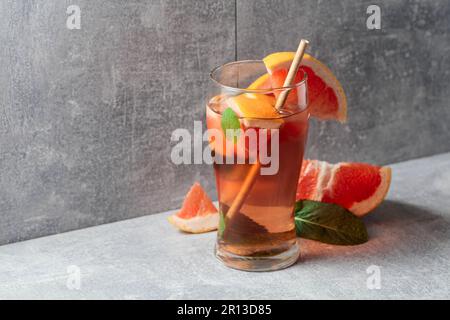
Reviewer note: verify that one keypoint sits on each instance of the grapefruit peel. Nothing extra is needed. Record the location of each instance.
(327, 99)
(358, 187)
(198, 214)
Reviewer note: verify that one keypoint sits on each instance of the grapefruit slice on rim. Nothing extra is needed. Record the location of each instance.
(326, 97)
(198, 214)
(358, 187)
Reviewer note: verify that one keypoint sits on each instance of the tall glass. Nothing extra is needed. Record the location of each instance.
(256, 195)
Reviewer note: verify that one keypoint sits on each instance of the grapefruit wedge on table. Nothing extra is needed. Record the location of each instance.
(358, 187)
(198, 214)
(326, 97)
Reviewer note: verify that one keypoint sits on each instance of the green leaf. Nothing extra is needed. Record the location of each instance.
(230, 124)
(221, 224)
(328, 223)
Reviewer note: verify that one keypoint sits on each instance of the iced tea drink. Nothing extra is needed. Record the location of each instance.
(256, 169)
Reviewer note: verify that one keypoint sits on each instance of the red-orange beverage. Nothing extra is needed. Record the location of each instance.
(257, 230)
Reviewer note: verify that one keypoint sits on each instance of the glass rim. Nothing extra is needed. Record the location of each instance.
(293, 86)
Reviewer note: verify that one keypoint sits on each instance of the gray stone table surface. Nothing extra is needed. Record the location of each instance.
(147, 258)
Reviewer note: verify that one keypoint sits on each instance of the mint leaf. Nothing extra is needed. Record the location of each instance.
(230, 124)
(221, 224)
(328, 223)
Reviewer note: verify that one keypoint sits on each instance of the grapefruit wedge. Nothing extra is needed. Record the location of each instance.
(198, 214)
(326, 97)
(358, 187)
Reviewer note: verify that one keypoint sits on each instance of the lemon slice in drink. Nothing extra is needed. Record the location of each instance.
(257, 110)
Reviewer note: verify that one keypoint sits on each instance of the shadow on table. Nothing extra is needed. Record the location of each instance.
(394, 212)
(393, 227)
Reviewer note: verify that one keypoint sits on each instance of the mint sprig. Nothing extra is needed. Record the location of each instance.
(230, 123)
(221, 227)
(328, 223)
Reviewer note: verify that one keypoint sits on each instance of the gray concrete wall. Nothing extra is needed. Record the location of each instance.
(86, 115)
(397, 79)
